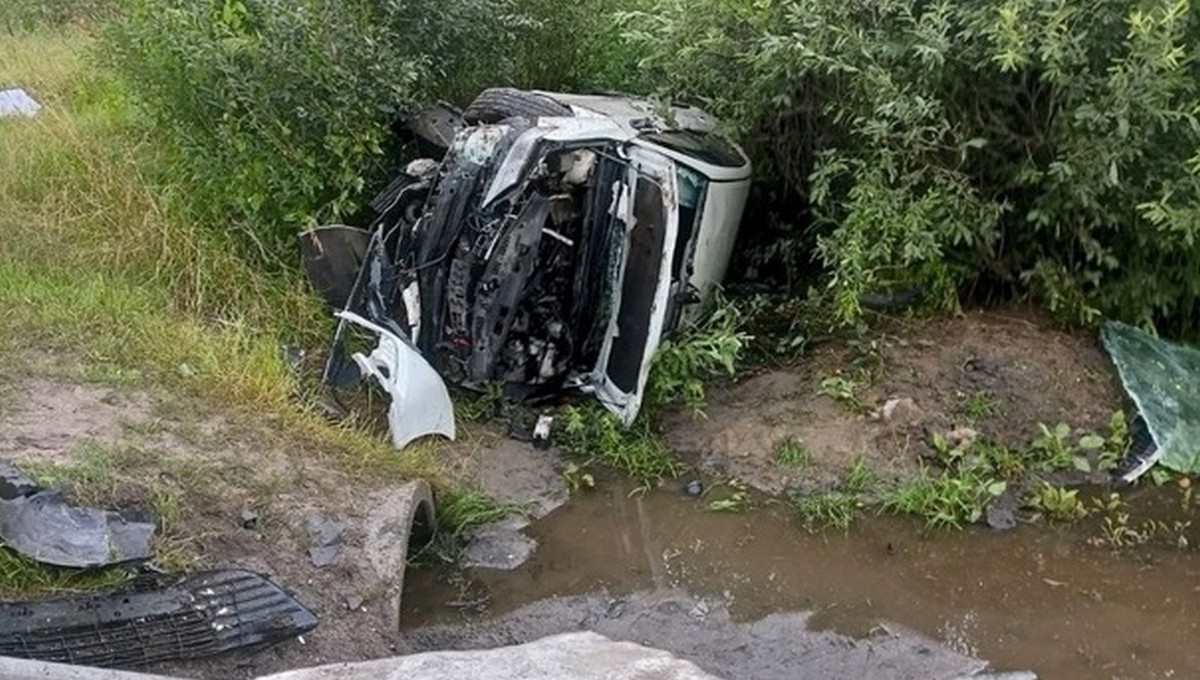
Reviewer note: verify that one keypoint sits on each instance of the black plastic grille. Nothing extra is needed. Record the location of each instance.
(201, 615)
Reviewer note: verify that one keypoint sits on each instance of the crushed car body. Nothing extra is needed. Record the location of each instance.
(550, 249)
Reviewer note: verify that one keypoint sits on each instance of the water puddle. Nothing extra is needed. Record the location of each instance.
(1034, 598)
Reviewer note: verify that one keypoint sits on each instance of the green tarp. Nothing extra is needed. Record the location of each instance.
(1164, 381)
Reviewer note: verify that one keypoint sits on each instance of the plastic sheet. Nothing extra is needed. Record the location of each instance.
(1163, 379)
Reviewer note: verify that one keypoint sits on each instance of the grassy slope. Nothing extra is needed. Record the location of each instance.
(95, 267)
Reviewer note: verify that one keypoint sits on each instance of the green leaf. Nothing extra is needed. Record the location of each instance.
(1082, 464)
(997, 488)
(1091, 442)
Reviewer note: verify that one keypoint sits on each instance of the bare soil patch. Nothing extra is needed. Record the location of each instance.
(1000, 373)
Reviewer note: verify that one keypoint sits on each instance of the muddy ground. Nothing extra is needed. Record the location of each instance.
(1000, 373)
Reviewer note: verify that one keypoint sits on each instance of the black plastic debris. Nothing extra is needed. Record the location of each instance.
(40, 524)
(155, 620)
(1140, 456)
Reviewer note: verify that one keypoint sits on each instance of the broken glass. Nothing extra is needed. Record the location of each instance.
(1163, 379)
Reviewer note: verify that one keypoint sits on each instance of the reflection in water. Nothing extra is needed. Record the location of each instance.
(1033, 598)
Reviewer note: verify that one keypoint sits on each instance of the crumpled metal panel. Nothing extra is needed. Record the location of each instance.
(421, 403)
(1163, 379)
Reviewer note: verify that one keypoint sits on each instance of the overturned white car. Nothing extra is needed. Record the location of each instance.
(551, 248)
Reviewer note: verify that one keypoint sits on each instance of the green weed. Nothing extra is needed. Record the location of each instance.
(947, 500)
(577, 477)
(1118, 530)
(704, 350)
(835, 510)
(858, 478)
(737, 500)
(592, 433)
(1056, 504)
(979, 406)
(459, 511)
(24, 578)
(792, 454)
(844, 391)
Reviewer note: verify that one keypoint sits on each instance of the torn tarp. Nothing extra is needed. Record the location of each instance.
(1163, 379)
(40, 524)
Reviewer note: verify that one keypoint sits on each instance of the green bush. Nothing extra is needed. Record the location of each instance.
(278, 110)
(1050, 146)
(576, 46)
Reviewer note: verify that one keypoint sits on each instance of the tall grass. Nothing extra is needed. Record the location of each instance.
(96, 264)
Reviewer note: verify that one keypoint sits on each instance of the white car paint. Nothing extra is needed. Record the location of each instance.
(420, 401)
(646, 166)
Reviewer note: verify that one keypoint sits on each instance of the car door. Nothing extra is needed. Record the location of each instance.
(649, 211)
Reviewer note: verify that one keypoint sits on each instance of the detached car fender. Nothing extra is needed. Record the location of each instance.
(421, 403)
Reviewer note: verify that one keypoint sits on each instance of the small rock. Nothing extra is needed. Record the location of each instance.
(699, 612)
(903, 411)
(1001, 514)
(249, 519)
(961, 437)
(354, 602)
(499, 545)
(324, 537)
(693, 488)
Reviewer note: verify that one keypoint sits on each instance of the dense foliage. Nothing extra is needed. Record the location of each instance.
(1044, 144)
(994, 147)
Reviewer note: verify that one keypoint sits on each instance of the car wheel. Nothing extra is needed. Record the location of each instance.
(499, 103)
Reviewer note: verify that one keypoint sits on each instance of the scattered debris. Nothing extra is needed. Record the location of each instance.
(325, 534)
(499, 545)
(557, 241)
(249, 519)
(693, 488)
(154, 620)
(541, 431)
(354, 602)
(40, 524)
(1161, 378)
(17, 102)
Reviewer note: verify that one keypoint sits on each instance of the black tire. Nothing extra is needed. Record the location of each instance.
(500, 103)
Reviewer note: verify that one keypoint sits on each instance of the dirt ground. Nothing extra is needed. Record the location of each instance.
(1000, 373)
(129, 444)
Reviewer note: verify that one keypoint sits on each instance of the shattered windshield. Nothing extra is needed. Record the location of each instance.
(1163, 379)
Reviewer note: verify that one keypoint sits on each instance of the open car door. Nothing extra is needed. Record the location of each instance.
(650, 213)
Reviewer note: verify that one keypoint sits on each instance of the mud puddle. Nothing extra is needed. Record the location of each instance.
(1034, 598)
